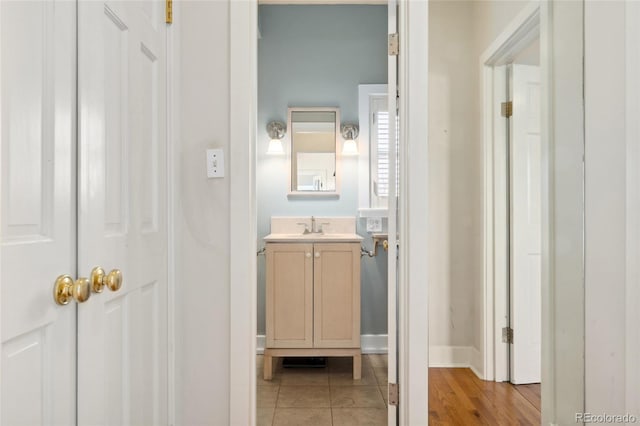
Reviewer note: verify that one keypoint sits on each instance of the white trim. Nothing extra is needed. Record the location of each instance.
(563, 230)
(449, 356)
(632, 339)
(173, 170)
(548, 390)
(475, 362)
(456, 357)
(243, 48)
(413, 285)
(369, 343)
(517, 35)
(261, 341)
(524, 28)
(374, 343)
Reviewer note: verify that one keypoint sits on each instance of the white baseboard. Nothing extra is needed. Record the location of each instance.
(449, 356)
(456, 356)
(475, 363)
(373, 343)
(260, 341)
(370, 343)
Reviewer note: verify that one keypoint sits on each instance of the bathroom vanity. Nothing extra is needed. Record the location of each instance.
(312, 290)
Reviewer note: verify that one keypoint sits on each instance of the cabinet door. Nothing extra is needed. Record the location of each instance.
(336, 295)
(289, 301)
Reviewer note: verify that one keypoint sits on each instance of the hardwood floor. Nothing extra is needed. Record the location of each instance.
(458, 397)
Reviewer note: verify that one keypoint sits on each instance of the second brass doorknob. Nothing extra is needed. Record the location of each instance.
(99, 279)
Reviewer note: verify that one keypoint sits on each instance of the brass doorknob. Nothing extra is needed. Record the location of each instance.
(65, 289)
(99, 279)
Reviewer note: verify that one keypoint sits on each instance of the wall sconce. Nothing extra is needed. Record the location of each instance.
(276, 131)
(349, 133)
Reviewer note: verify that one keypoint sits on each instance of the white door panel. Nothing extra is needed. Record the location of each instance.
(392, 221)
(122, 342)
(38, 70)
(526, 230)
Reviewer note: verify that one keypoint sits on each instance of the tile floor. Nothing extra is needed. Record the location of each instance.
(324, 396)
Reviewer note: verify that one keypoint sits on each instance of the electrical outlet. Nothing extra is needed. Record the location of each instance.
(374, 224)
(215, 163)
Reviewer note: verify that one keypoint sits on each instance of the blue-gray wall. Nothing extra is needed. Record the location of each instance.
(317, 56)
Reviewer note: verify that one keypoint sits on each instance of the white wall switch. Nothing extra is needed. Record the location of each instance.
(374, 224)
(215, 163)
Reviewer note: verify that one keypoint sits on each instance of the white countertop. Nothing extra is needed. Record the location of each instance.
(313, 238)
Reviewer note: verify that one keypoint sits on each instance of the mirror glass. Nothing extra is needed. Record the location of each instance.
(313, 149)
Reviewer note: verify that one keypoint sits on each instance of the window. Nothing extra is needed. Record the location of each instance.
(374, 142)
(379, 152)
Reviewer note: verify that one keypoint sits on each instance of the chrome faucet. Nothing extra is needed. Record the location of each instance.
(315, 228)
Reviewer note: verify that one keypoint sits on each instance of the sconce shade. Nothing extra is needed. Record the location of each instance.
(276, 131)
(275, 147)
(349, 133)
(350, 147)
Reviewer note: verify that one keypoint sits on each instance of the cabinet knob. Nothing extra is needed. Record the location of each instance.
(308, 255)
(317, 254)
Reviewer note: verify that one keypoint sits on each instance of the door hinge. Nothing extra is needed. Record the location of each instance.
(506, 109)
(507, 335)
(169, 11)
(393, 394)
(393, 44)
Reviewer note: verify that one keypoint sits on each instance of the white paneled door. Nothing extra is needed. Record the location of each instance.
(37, 68)
(526, 230)
(122, 221)
(83, 186)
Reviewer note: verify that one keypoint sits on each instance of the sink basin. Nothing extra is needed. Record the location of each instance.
(325, 238)
(290, 229)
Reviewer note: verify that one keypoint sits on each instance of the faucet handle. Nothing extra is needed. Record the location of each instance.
(320, 230)
(306, 227)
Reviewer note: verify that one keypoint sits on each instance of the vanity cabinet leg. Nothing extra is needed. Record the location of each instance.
(357, 367)
(268, 366)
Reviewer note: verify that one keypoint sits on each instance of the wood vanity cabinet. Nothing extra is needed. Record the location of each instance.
(312, 301)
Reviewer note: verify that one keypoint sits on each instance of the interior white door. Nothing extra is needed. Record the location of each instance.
(38, 64)
(392, 223)
(525, 225)
(122, 223)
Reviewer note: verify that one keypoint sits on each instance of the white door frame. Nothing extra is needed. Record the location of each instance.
(632, 340)
(563, 135)
(518, 34)
(413, 286)
(173, 191)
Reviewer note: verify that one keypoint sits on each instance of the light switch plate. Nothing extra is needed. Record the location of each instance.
(374, 224)
(215, 163)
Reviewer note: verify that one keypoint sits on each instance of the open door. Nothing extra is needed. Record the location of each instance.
(392, 279)
(525, 225)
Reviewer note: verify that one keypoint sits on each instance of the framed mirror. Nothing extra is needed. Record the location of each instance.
(314, 160)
